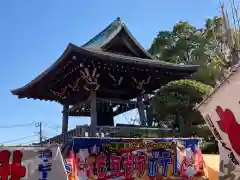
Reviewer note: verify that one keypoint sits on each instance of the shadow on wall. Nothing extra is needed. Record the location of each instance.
(212, 162)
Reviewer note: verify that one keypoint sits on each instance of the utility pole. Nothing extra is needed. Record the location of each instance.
(40, 132)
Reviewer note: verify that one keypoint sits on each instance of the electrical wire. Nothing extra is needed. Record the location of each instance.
(4, 142)
(29, 142)
(55, 129)
(34, 124)
(51, 125)
(18, 125)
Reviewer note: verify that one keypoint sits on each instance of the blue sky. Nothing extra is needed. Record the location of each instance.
(33, 34)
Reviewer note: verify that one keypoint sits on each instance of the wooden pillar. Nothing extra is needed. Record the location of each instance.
(141, 110)
(181, 125)
(93, 125)
(65, 118)
(149, 110)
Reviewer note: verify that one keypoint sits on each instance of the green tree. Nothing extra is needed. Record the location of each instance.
(186, 44)
(175, 101)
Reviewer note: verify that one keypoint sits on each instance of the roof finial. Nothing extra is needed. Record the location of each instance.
(118, 20)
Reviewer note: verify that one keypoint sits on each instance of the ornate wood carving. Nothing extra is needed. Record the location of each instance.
(63, 94)
(90, 79)
(117, 82)
(76, 85)
(140, 84)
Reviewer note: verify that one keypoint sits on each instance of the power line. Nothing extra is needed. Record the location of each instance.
(51, 125)
(18, 125)
(29, 142)
(34, 124)
(40, 132)
(53, 128)
(18, 139)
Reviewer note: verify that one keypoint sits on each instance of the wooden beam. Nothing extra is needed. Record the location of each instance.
(149, 110)
(65, 119)
(93, 125)
(117, 101)
(141, 110)
(78, 105)
(115, 91)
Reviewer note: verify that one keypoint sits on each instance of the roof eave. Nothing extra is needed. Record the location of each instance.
(103, 55)
(136, 60)
(19, 91)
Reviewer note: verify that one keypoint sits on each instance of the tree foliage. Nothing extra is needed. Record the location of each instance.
(178, 97)
(215, 48)
(186, 44)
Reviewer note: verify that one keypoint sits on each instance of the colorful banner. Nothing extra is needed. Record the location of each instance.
(146, 159)
(227, 169)
(225, 127)
(221, 110)
(31, 163)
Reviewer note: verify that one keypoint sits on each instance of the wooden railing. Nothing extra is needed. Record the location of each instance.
(112, 131)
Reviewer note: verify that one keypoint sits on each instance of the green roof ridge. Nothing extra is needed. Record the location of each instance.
(104, 34)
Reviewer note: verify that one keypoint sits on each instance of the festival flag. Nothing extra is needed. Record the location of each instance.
(70, 166)
(31, 163)
(130, 159)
